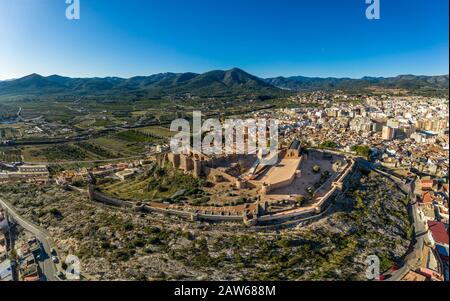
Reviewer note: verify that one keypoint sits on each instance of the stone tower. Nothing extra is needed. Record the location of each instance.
(175, 158)
(197, 171)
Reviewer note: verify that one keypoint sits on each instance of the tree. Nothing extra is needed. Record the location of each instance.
(13, 255)
(328, 144)
(56, 213)
(359, 203)
(316, 168)
(405, 201)
(285, 243)
(362, 150)
(300, 200)
(410, 232)
(385, 262)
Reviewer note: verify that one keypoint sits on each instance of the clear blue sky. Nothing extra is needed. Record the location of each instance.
(264, 37)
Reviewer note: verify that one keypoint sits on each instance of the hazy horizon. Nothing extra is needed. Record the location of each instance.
(285, 76)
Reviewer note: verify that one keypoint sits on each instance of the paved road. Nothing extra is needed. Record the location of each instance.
(412, 261)
(88, 161)
(46, 264)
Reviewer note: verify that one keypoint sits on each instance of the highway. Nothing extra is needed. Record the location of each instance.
(46, 264)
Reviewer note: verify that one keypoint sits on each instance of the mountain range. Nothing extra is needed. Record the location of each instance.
(217, 83)
(408, 82)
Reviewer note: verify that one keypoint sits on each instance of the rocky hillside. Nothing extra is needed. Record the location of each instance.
(120, 245)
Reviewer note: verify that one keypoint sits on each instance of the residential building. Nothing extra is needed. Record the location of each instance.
(388, 133)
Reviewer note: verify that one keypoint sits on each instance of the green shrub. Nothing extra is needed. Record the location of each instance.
(362, 150)
(328, 144)
(128, 227)
(410, 232)
(386, 262)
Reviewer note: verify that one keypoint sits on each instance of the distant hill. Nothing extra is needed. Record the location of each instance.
(407, 82)
(214, 83)
(217, 83)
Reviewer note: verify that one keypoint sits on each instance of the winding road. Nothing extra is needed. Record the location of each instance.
(46, 264)
(412, 260)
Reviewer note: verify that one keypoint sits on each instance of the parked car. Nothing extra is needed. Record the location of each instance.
(60, 276)
(55, 259)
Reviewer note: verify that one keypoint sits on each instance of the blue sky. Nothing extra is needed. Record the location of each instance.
(264, 37)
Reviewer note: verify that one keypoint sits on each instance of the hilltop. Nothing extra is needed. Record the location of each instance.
(209, 84)
(216, 83)
(415, 83)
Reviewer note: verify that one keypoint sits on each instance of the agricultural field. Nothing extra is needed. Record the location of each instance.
(96, 121)
(73, 121)
(135, 136)
(137, 140)
(120, 147)
(10, 155)
(52, 111)
(10, 132)
(157, 131)
(79, 151)
(33, 154)
(113, 146)
(60, 152)
(96, 150)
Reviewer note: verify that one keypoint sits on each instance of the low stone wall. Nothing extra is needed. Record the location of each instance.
(180, 213)
(295, 222)
(107, 200)
(277, 219)
(281, 217)
(220, 218)
(310, 213)
(76, 189)
(97, 196)
(193, 215)
(299, 214)
(338, 185)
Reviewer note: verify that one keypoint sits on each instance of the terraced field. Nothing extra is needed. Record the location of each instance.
(157, 131)
(96, 150)
(120, 147)
(8, 133)
(11, 156)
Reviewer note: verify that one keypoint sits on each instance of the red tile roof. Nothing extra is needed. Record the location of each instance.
(428, 184)
(438, 232)
(427, 197)
(445, 187)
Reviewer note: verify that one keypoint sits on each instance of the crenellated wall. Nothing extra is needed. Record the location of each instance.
(250, 214)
